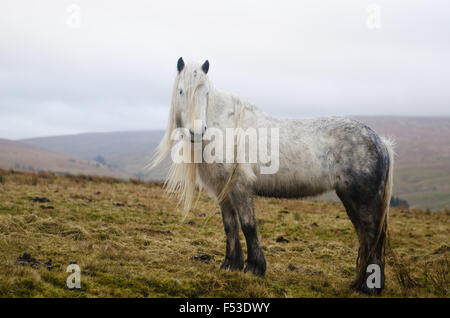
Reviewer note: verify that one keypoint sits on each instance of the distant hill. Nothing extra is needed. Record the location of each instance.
(127, 151)
(422, 168)
(109, 145)
(19, 155)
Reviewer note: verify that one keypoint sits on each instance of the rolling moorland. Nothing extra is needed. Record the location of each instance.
(129, 241)
(422, 167)
(22, 156)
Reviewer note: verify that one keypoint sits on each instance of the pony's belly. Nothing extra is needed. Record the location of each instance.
(282, 186)
(294, 194)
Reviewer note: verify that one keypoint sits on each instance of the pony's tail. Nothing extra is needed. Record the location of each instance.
(373, 251)
(389, 144)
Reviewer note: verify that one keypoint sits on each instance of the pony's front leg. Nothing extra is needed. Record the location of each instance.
(243, 204)
(234, 260)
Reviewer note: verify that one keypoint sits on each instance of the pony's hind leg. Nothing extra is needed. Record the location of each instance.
(371, 250)
(243, 203)
(366, 218)
(234, 259)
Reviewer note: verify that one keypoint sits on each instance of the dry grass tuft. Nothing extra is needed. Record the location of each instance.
(128, 239)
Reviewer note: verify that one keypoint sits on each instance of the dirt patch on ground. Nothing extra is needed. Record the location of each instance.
(27, 260)
(153, 231)
(39, 199)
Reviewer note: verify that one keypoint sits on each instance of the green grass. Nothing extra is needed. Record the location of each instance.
(128, 239)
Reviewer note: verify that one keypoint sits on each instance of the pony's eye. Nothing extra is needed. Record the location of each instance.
(181, 92)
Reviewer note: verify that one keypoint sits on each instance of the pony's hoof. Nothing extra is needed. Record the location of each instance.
(369, 291)
(257, 268)
(232, 264)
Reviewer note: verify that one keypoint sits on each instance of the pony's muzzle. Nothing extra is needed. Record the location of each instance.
(197, 137)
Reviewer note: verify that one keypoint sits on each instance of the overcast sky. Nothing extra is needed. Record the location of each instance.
(115, 69)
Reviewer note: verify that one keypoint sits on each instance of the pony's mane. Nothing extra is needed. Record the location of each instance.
(182, 177)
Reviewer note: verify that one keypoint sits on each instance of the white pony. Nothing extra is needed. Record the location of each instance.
(315, 155)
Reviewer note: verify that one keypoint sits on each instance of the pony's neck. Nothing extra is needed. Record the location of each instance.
(226, 108)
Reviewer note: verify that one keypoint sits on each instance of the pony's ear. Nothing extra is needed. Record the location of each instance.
(180, 64)
(205, 67)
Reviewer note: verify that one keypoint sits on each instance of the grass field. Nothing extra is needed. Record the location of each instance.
(128, 239)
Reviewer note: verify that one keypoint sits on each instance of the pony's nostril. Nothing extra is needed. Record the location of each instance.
(197, 137)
